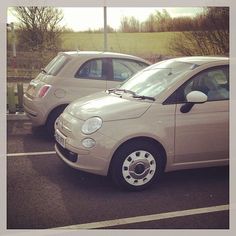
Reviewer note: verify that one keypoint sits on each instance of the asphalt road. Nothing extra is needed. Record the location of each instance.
(44, 193)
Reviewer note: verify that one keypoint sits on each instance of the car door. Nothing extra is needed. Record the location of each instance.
(202, 134)
(89, 78)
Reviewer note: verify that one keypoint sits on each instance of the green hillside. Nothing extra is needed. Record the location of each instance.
(132, 43)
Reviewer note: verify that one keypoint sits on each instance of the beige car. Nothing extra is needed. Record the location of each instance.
(172, 115)
(72, 75)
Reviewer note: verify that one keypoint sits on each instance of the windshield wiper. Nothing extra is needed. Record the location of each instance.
(144, 97)
(114, 90)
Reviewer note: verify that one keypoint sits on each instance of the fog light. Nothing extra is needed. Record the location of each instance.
(88, 142)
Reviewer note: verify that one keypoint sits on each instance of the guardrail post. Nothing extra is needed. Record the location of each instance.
(20, 93)
(11, 99)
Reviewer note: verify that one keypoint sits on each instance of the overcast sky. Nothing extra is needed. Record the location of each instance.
(83, 18)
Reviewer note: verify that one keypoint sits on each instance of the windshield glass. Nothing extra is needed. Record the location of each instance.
(157, 78)
(56, 64)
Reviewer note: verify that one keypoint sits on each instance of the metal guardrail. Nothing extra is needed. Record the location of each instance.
(15, 97)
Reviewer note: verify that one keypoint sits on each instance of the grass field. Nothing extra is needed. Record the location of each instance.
(150, 46)
(132, 43)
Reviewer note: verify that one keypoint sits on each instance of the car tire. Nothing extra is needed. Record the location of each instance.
(54, 114)
(136, 165)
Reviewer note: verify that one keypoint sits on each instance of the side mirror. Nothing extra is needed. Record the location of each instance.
(194, 97)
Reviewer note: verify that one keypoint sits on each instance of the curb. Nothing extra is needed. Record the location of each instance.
(17, 116)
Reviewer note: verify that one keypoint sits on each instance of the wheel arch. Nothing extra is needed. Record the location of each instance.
(52, 116)
(58, 107)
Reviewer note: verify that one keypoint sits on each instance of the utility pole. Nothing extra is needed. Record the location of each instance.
(13, 39)
(105, 28)
(11, 26)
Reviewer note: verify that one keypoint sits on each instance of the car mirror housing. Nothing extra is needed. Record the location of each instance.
(196, 97)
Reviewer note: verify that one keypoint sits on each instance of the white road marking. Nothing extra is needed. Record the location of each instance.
(146, 218)
(30, 154)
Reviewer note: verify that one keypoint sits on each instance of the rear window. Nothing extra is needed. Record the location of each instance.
(56, 64)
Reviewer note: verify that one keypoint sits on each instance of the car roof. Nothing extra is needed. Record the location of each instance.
(194, 60)
(92, 54)
(200, 60)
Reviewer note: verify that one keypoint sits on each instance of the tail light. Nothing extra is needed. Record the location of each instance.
(43, 91)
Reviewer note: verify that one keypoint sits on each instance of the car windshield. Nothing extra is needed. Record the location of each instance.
(55, 65)
(157, 78)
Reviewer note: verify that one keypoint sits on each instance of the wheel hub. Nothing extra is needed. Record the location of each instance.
(139, 168)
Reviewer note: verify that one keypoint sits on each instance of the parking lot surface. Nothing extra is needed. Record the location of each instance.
(44, 193)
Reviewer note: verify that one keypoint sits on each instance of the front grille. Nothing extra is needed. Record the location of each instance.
(70, 156)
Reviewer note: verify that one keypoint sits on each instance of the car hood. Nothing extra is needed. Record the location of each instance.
(107, 106)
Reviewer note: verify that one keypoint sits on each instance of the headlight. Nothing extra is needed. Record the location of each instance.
(91, 125)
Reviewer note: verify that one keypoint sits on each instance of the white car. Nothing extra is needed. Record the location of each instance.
(72, 75)
(172, 115)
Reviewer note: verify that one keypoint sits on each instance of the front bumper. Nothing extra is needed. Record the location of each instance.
(94, 160)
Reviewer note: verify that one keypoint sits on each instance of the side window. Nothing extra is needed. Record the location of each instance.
(91, 69)
(213, 82)
(124, 69)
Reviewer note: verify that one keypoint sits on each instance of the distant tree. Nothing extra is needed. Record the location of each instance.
(129, 24)
(110, 29)
(134, 24)
(160, 21)
(101, 30)
(150, 24)
(183, 23)
(38, 27)
(67, 30)
(215, 25)
(210, 34)
(124, 24)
